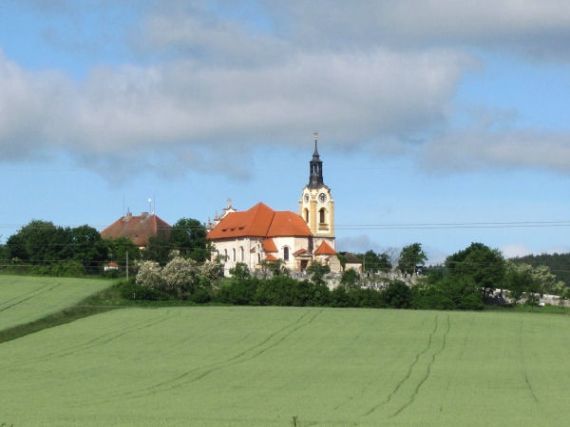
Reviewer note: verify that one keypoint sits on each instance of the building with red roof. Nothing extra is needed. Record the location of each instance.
(263, 234)
(138, 228)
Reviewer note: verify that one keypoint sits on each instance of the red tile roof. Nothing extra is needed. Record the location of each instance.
(260, 221)
(137, 228)
(325, 249)
(300, 252)
(287, 223)
(270, 257)
(269, 246)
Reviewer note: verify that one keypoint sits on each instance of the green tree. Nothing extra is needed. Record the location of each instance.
(384, 262)
(117, 250)
(188, 236)
(88, 248)
(371, 262)
(240, 271)
(517, 280)
(350, 278)
(398, 295)
(158, 249)
(410, 257)
(484, 265)
(40, 243)
(318, 272)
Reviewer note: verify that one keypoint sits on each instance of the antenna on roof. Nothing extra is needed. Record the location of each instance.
(150, 205)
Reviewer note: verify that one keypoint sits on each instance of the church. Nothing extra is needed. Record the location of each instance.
(263, 234)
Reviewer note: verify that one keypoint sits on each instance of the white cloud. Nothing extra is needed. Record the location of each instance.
(538, 27)
(368, 74)
(191, 110)
(476, 149)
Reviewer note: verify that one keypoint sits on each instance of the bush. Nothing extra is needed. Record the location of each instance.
(68, 268)
(132, 291)
(275, 291)
(448, 293)
(239, 292)
(350, 278)
(398, 295)
(370, 298)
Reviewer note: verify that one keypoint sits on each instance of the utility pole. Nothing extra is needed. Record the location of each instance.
(127, 264)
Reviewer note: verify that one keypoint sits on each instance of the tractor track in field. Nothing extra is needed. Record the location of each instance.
(105, 338)
(428, 372)
(361, 393)
(524, 368)
(408, 372)
(31, 292)
(243, 356)
(30, 296)
(455, 369)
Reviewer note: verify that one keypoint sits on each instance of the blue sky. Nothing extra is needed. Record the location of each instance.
(105, 104)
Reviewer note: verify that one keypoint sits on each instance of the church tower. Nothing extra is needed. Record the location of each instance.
(316, 204)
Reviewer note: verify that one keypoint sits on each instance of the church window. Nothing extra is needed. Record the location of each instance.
(322, 216)
(234, 253)
(225, 255)
(242, 256)
(286, 253)
(306, 215)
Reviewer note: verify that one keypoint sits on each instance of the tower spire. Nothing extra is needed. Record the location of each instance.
(316, 167)
(316, 137)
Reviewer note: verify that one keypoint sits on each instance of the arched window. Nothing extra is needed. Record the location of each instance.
(225, 255)
(286, 253)
(242, 256)
(234, 253)
(322, 216)
(306, 215)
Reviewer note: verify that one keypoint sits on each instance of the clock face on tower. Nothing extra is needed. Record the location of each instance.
(323, 197)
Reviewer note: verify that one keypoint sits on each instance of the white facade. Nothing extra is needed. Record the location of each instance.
(250, 251)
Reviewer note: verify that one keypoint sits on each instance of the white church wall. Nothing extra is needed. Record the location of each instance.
(245, 250)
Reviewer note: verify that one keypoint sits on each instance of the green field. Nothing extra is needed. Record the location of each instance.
(24, 298)
(248, 366)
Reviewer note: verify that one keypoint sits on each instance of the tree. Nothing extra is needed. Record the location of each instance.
(88, 248)
(484, 265)
(240, 271)
(117, 250)
(398, 295)
(410, 257)
(318, 272)
(371, 262)
(350, 278)
(518, 280)
(150, 275)
(158, 249)
(384, 262)
(40, 242)
(188, 235)
(181, 277)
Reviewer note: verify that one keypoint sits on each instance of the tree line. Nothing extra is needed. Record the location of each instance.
(179, 267)
(41, 247)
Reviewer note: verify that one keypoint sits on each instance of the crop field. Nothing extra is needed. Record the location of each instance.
(24, 298)
(248, 366)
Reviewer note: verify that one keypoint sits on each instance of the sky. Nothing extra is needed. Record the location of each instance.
(442, 122)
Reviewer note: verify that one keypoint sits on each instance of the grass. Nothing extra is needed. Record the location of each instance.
(247, 366)
(26, 299)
